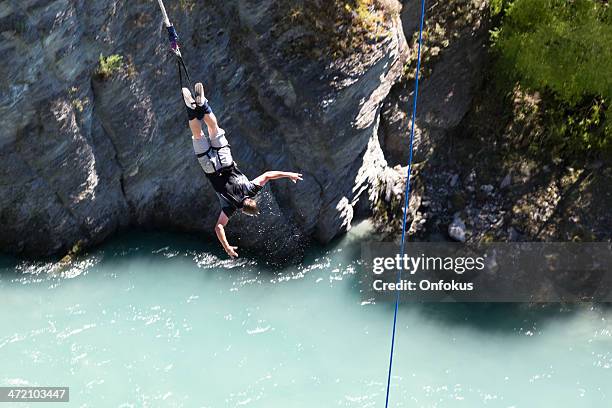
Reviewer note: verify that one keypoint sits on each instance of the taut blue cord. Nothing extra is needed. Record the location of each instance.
(406, 197)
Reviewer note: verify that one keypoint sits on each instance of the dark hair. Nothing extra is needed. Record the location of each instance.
(249, 206)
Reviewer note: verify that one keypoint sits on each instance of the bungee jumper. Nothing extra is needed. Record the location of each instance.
(233, 189)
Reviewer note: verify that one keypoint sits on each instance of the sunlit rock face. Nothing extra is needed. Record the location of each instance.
(83, 155)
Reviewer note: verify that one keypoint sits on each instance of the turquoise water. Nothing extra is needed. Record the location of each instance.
(154, 320)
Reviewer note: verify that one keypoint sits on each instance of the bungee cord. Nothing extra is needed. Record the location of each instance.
(406, 199)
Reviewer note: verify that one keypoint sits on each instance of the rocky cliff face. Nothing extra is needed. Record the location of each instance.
(82, 157)
(296, 87)
(476, 177)
(455, 40)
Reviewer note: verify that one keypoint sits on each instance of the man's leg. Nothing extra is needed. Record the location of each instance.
(196, 128)
(192, 112)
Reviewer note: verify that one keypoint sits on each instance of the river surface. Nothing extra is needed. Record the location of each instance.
(159, 320)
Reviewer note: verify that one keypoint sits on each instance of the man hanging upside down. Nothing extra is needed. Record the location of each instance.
(234, 190)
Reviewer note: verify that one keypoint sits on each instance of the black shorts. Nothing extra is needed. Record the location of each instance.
(197, 113)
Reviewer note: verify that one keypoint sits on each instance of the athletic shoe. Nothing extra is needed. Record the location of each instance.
(199, 94)
(188, 98)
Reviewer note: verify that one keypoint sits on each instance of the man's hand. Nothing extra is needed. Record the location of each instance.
(220, 231)
(231, 251)
(295, 177)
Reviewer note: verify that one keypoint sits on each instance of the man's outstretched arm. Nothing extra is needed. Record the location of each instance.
(275, 175)
(220, 231)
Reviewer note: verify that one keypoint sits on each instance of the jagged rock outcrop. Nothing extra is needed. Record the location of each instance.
(454, 51)
(483, 182)
(82, 157)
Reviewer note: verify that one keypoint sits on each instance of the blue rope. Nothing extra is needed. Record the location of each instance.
(406, 198)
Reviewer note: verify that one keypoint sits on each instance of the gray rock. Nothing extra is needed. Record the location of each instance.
(506, 181)
(454, 180)
(81, 158)
(487, 189)
(457, 229)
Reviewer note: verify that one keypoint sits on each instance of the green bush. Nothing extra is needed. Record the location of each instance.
(108, 66)
(562, 49)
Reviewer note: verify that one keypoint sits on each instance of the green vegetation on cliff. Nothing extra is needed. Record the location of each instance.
(563, 51)
(338, 28)
(108, 66)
